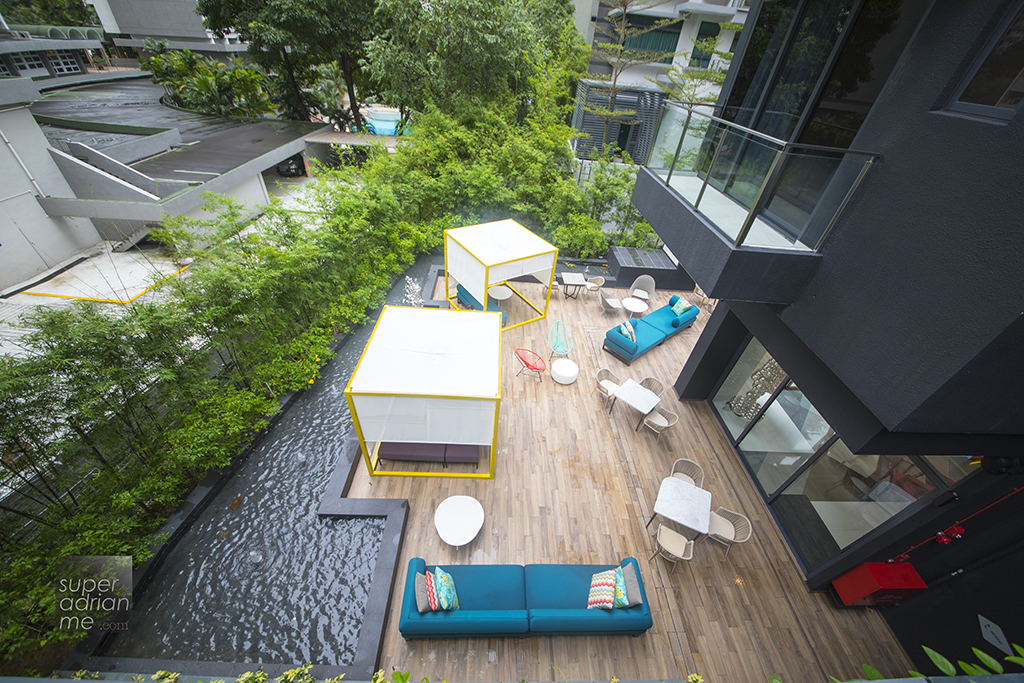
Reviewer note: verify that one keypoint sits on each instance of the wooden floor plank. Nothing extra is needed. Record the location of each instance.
(576, 484)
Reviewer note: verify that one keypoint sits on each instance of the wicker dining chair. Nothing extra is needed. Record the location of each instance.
(606, 383)
(673, 546)
(689, 472)
(659, 420)
(728, 528)
(594, 284)
(652, 384)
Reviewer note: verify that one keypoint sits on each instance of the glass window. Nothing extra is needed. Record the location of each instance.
(63, 62)
(787, 435)
(661, 39)
(701, 58)
(28, 63)
(751, 381)
(842, 496)
(816, 36)
(753, 71)
(877, 41)
(952, 468)
(996, 86)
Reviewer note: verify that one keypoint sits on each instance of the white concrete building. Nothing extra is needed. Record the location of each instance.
(31, 240)
(130, 22)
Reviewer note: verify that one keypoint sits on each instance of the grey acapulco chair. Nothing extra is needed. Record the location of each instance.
(728, 528)
(673, 546)
(688, 471)
(609, 303)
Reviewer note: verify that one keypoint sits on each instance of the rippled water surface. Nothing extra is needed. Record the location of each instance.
(259, 577)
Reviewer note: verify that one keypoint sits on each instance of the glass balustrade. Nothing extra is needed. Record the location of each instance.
(757, 190)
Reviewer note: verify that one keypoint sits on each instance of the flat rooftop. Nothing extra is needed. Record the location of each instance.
(214, 144)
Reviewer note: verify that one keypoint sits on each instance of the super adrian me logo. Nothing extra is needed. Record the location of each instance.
(94, 593)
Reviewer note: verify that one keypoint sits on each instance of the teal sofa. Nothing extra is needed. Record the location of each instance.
(651, 330)
(470, 300)
(515, 600)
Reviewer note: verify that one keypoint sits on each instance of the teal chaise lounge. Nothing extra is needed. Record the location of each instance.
(651, 330)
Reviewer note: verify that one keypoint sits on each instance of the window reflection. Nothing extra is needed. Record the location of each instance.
(751, 381)
(842, 496)
(952, 468)
(999, 81)
(784, 438)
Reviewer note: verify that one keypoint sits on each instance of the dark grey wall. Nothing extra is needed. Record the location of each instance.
(925, 270)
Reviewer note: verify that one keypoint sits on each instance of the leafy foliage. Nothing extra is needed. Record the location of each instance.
(49, 12)
(289, 38)
(208, 86)
(693, 85)
(581, 236)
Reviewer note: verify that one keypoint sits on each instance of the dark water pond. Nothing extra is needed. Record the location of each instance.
(259, 577)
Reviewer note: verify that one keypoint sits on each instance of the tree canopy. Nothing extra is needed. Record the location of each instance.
(290, 37)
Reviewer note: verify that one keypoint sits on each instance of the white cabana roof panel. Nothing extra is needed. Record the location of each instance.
(431, 352)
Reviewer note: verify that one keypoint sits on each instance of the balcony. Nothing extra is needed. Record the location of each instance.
(757, 209)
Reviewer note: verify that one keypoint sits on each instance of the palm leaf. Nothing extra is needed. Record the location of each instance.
(945, 666)
(988, 660)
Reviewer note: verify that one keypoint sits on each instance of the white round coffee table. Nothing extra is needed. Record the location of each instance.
(500, 292)
(458, 519)
(564, 371)
(634, 305)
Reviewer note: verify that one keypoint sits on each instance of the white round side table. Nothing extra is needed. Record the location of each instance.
(564, 371)
(458, 519)
(635, 306)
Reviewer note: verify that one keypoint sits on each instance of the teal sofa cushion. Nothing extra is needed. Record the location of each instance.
(556, 598)
(668, 323)
(492, 603)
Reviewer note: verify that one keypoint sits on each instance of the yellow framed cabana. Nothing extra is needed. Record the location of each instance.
(428, 383)
(481, 256)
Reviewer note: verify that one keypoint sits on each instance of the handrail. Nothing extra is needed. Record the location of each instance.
(782, 143)
(751, 180)
(679, 105)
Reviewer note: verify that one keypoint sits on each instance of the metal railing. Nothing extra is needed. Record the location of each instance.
(756, 189)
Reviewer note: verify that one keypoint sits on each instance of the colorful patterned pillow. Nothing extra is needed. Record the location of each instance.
(430, 589)
(602, 590)
(620, 589)
(627, 331)
(681, 306)
(446, 595)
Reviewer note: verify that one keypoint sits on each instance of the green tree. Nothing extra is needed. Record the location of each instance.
(614, 51)
(288, 38)
(448, 52)
(211, 87)
(697, 85)
(49, 12)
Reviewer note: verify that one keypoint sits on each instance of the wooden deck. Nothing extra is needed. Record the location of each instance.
(575, 484)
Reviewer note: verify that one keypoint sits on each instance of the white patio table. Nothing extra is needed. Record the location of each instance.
(684, 504)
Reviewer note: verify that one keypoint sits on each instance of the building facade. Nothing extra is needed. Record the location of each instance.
(643, 85)
(853, 204)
